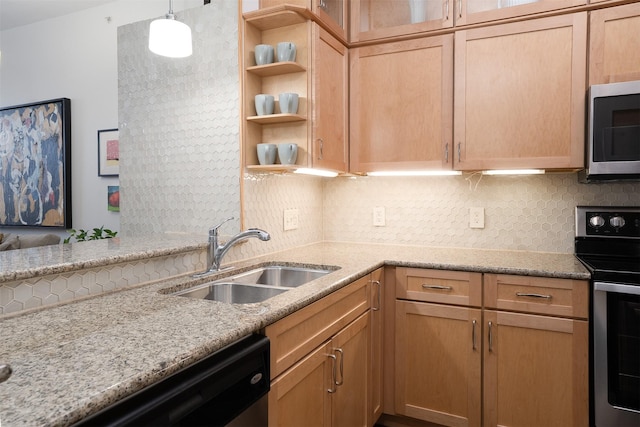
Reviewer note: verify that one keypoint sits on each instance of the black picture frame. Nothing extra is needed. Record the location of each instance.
(108, 152)
(35, 164)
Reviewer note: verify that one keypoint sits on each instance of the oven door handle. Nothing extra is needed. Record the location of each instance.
(619, 288)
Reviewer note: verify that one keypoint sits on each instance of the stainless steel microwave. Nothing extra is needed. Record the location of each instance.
(613, 144)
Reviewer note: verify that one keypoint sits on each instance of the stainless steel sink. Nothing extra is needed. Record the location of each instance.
(255, 285)
(233, 293)
(278, 275)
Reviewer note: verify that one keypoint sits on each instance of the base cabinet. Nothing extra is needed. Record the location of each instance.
(329, 386)
(519, 358)
(321, 361)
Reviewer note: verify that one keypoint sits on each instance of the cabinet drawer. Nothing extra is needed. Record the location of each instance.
(542, 295)
(298, 334)
(441, 286)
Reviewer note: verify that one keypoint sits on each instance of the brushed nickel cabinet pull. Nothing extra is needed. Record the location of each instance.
(339, 350)
(459, 152)
(437, 287)
(459, 8)
(320, 149)
(446, 8)
(473, 334)
(528, 295)
(377, 282)
(333, 379)
(490, 336)
(446, 152)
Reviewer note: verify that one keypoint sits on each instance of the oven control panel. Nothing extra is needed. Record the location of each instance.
(608, 221)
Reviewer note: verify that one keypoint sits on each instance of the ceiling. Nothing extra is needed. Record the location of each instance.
(16, 13)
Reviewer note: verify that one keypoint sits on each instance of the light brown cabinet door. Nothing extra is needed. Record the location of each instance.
(349, 403)
(438, 363)
(379, 19)
(401, 105)
(535, 370)
(520, 93)
(614, 44)
(330, 110)
(299, 397)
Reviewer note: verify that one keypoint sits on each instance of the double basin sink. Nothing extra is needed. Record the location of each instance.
(255, 285)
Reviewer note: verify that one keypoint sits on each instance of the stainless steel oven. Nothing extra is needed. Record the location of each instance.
(608, 243)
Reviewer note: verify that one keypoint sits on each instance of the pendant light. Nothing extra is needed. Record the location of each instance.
(169, 37)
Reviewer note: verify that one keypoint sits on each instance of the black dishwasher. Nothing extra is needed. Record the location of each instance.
(211, 392)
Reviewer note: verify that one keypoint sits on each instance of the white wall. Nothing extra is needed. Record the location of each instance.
(75, 56)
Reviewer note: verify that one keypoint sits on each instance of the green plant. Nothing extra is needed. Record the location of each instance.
(97, 234)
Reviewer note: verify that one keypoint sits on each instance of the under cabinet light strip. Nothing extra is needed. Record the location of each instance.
(514, 172)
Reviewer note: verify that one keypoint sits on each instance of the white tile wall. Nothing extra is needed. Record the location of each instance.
(179, 127)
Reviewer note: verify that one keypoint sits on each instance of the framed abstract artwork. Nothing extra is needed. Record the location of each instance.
(35, 164)
(108, 152)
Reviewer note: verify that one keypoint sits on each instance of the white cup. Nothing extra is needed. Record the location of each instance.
(264, 54)
(264, 104)
(286, 51)
(288, 102)
(287, 153)
(267, 154)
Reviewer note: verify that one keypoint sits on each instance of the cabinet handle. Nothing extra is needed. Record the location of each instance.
(377, 282)
(446, 8)
(446, 152)
(473, 334)
(322, 4)
(333, 377)
(490, 336)
(339, 350)
(320, 149)
(459, 152)
(459, 8)
(437, 287)
(528, 295)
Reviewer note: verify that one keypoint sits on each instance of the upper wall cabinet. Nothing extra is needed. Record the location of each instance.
(332, 13)
(401, 103)
(520, 94)
(378, 19)
(318, 74)
(614, 44)
(477, 11)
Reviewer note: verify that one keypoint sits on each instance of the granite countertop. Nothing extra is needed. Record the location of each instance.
(70, 361)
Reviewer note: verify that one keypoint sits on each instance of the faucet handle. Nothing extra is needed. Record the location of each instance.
(214, 230)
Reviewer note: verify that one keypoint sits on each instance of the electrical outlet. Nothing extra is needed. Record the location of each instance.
(378, 216)
(290, 219)
(476, 217)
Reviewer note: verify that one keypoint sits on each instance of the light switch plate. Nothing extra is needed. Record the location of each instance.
(476, 217)
(290, 219)
(379, 219)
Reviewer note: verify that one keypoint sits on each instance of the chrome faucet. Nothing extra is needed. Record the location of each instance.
(216, 251)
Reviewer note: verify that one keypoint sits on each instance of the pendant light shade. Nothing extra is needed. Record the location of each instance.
(169, 37)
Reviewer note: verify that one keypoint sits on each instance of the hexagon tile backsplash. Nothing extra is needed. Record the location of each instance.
(534, 213)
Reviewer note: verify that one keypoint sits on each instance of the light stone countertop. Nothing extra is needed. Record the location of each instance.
(70, 361)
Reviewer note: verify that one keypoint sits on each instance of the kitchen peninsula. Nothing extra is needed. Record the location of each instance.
(73, 359)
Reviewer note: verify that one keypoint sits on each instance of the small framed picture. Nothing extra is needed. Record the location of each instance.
(113, 198)
(108, 153)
